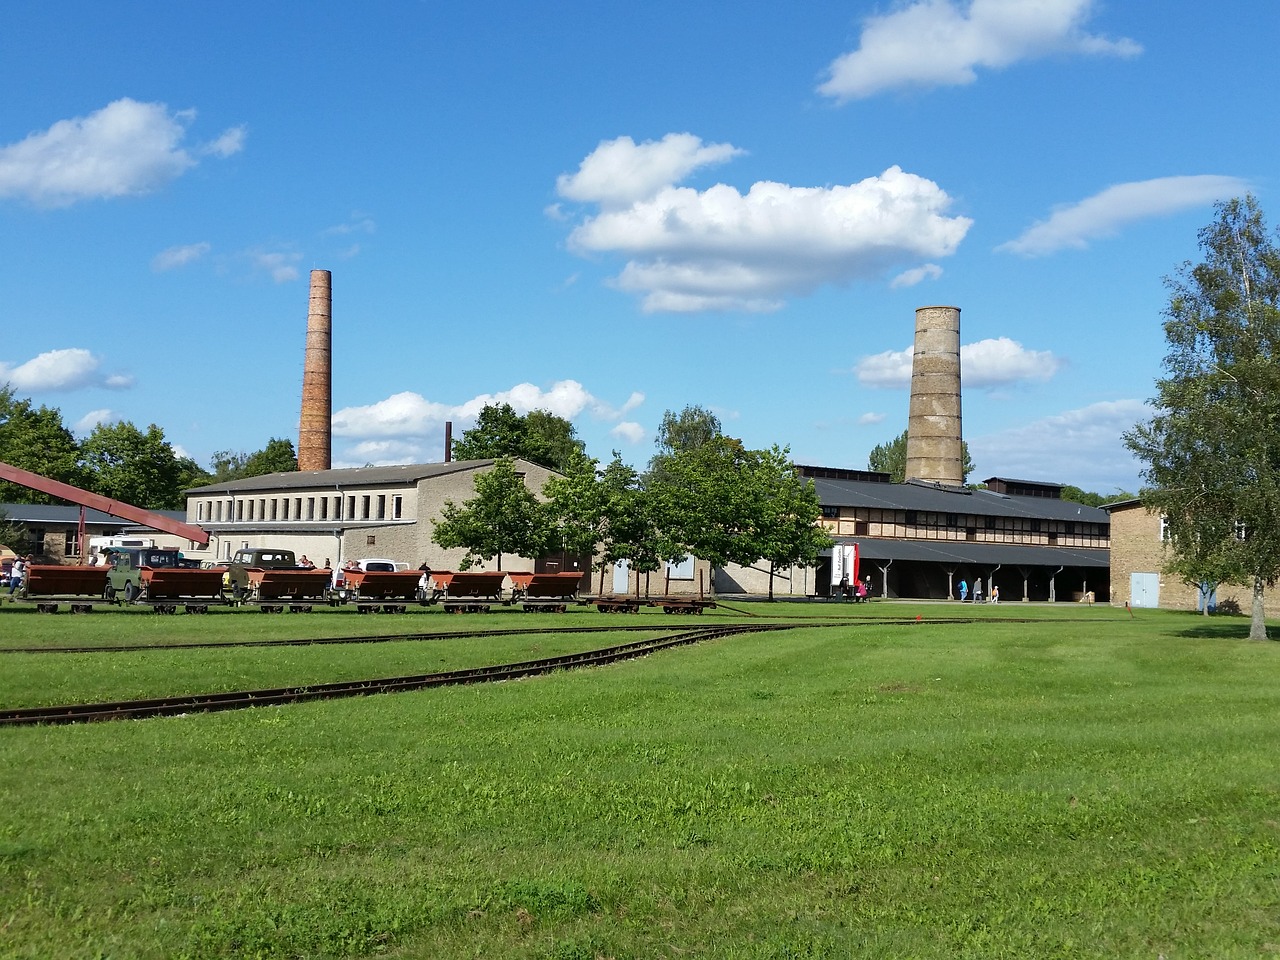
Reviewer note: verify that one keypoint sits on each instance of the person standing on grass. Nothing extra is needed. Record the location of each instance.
(964, 591)
(17, 573)
(977, 590)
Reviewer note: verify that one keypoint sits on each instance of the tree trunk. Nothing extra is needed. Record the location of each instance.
(772, 567)
(1258, 623)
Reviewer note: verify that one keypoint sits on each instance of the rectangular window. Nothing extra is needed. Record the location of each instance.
(1242, 533)
(1069, 527)
(397, 508)
(1035, 526)
(337, 507)
(953, 520)
(250, 509)
(297, 508)
(239, 509)
(70, 545)
(910, 518)
(681, 569)
(831, 513)
(199, 511)
(382, 507)
(1164, 529)
(311, 508)
(324, 508)
(351, 508)
(364, 508)
(275, 508)
(861, 528)
(37, 540)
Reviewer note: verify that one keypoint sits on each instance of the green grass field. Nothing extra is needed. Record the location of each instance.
(1090, 786)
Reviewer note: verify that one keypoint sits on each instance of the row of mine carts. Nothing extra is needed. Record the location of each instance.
(166, 589)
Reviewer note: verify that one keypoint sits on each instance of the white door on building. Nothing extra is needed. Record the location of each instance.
(1144, 589)
(621, 575)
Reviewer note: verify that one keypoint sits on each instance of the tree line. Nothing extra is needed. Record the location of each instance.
(704, 494)
(117, 460)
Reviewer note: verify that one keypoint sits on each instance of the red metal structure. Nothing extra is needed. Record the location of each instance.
(95, 501)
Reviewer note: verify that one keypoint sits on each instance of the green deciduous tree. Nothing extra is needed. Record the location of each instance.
(504, 517)
(278, 456)
(138, 468)
(787, 532)
(538, 436)
(35, 439)
(1212, 449)
(891, 458)
(687, 430)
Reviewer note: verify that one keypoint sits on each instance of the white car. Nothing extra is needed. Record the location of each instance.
(380, 565)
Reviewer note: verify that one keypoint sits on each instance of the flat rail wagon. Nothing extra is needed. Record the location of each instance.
(681, 604)
(295, 588)
(47, 585)
(165, 588)
(385, 590)
(467, 591)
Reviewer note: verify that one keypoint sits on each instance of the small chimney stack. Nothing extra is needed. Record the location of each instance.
(315, 442)
(448, 441)
(934, 447)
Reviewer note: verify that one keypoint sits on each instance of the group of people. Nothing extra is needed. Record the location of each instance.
(977, 591)
(859, 591)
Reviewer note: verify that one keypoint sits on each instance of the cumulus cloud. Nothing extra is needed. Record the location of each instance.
(393, 430)
(58, 370)
(909, 278)
(93, 418)
(987, 363)
(1082, 447)
(629, 431)
(176, 257)
(621, 172)
(720, 249)
(359, 223)
(1105, 213)
(936, 43)
(870, 419)
(125, 149)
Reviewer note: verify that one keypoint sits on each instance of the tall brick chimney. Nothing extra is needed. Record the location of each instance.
(934, 450)
(315, 445)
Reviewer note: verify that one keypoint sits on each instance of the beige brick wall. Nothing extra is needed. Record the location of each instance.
(1136, 548)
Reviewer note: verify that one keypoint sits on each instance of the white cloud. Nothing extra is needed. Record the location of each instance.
(1001, 361)
(719, 249)
(621, 172)
(359, 223)
(407, 417)
(1082, 447)
(54, 370)
(178, 256)
(629, 431)
(870, 419)
(935, 43)
(230, 143)
(986, 363)
(282, 267)
(1103, 214)
(84, 426)
(124, 149)
(909, 278)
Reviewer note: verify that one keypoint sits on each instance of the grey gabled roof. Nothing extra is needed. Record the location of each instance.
(397, 475)
(980, 554)
(936, 498)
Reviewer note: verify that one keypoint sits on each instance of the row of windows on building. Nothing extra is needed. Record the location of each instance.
(323, 508)
(1241, 531)
(969, 523)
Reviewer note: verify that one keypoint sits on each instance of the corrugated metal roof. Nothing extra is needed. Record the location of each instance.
(944, 499)
(985, 554)
(396, 475)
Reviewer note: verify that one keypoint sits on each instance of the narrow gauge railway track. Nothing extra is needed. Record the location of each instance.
(377, 638)
(208, 703)
(769, 623)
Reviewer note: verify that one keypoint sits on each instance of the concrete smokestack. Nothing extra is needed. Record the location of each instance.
(315, 444)
(934, 451)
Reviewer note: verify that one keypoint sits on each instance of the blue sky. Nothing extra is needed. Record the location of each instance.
(612, 210)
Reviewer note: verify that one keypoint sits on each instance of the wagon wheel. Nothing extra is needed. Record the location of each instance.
(109, 594)
(130, 592)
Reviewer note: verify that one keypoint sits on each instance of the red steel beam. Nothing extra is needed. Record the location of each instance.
(114, 508)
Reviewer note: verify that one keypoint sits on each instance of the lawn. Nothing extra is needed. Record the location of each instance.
(1091, 786)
